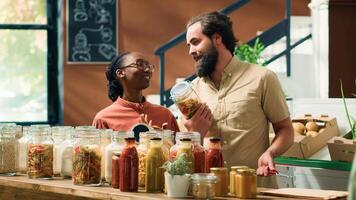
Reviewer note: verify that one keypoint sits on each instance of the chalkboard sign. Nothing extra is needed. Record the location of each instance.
(92, 30)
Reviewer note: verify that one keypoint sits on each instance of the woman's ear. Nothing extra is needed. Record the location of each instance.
(120, 73)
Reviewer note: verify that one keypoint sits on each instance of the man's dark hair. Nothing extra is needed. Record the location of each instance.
(115, 89)
(216, 22)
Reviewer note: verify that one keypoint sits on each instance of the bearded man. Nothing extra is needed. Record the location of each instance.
(240, 99)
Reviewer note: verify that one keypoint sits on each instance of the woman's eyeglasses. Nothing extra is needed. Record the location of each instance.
(141, 65)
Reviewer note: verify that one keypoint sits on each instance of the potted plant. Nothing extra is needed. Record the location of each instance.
(350, 119)
(176, 177)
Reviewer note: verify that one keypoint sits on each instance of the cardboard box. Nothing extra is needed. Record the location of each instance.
(342, 148)
(306, 146)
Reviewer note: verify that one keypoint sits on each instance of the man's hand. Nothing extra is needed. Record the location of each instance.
(266, 165)
(201, 120)
(280, 144)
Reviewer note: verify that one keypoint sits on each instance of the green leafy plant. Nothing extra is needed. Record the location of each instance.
(351, 120)
(178, 167)
(251, 54)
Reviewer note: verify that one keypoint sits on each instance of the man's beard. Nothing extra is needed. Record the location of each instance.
(206, 64)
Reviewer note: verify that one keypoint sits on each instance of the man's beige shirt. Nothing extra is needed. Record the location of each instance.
(249, 97)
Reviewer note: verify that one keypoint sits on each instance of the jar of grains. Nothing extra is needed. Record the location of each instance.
(8, 150)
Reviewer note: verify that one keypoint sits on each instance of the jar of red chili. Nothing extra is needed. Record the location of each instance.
(199, 153)
(185, 98)
(213, 156)
(129, 167)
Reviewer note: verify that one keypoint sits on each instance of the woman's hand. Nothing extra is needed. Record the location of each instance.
(144, 119)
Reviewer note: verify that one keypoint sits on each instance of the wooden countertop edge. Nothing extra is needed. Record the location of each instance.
(67, 188)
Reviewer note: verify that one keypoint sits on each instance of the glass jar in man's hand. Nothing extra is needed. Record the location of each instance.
(185, 98)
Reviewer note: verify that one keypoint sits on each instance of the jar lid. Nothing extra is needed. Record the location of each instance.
(218, 169)
(180, 89)
(203, 177)
(130, 139)
(248, 171)
(238, 167)
(215, 139)
(156, 139)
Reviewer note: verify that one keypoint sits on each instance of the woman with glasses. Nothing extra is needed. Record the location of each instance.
(127, 75)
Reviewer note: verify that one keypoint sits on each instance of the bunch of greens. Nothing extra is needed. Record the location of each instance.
(351, 120)
(251, 54)
(178, 167)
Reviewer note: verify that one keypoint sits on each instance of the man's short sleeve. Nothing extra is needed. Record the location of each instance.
(273, 99)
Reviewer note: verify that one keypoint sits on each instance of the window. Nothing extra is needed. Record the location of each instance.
(300, 55)
(28, 61)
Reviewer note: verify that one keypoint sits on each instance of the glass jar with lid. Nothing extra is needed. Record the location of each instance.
(58, 136)
(186, 99)
(213, 156)
(222, 184)
(246, 183)
(199, 153)
(87, 158)
(23, 149)
(117, 144)
(203, 185)
(185, 148)
(14, 125)
(232, 183)
(142, 150)
(105, 140)
(40, 153)
(179, 135)
(168, 137)
(66, 153)
(154, 180)
(8, 150)
(129, 167)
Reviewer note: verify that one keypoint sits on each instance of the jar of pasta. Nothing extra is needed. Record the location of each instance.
(87, 158)
(40, 153)
(186, 99)
(168, 137)
(142, 150)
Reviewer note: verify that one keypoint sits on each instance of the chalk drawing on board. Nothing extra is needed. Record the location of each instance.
(80, 14)
(81, 49)
(101, 15)
(92, 30)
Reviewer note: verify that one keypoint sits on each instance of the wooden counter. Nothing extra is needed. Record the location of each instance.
(23, 188)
